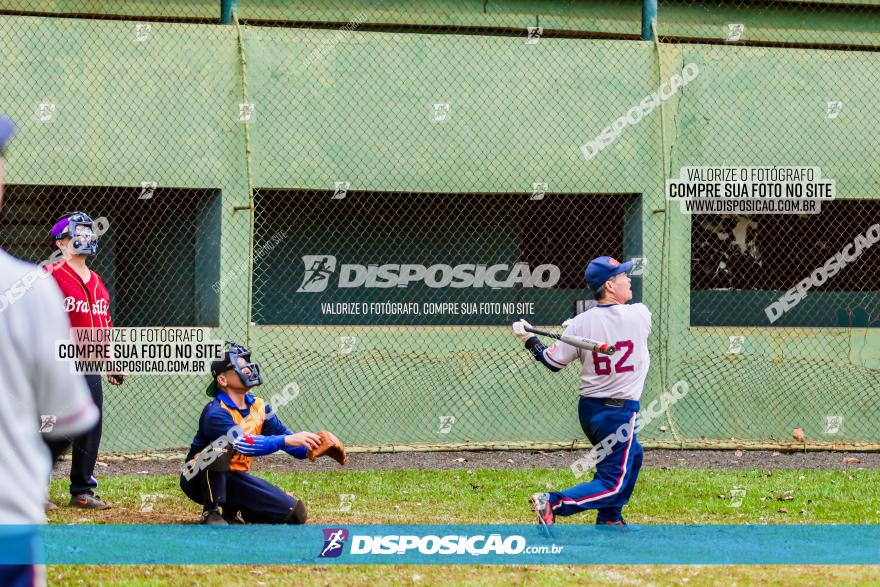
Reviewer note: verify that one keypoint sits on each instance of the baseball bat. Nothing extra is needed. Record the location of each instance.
(578, 341)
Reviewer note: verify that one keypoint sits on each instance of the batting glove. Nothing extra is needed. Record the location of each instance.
(257, 445)
(519, 330)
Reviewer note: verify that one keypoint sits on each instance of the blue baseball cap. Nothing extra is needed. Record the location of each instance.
(7, 130)
(601, 269)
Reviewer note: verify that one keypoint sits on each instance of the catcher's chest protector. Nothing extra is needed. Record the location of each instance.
(252, 424)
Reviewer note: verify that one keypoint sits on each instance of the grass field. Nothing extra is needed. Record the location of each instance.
(676, 496)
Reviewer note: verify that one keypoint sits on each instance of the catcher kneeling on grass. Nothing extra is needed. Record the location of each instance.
(234, 428)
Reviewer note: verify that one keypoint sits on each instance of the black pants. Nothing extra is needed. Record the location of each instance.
(259, 501)
(84, 453)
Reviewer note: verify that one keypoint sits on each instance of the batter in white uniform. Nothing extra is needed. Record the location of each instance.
(610, 388)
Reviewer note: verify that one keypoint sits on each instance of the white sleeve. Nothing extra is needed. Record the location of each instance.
(645, 313)
(60, 394)
(560, 354)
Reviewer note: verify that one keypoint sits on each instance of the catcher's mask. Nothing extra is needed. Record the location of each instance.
(80, 227)
(237, 358)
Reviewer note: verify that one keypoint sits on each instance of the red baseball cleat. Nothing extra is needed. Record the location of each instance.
(617, 525)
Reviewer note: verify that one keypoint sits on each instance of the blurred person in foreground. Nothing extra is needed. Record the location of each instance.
(44, 401)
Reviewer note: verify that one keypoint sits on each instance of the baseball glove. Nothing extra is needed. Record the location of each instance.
(329, 447)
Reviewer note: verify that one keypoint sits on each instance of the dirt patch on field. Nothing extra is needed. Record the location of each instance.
(169, 463)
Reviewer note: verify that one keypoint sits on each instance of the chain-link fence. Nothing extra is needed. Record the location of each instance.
(368, 194)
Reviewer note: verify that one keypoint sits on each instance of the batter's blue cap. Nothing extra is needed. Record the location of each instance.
(601, 269)
(7, 130)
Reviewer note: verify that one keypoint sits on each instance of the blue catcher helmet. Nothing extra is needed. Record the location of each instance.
(237, 358)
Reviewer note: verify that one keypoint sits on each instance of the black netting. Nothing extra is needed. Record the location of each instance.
(273, 178)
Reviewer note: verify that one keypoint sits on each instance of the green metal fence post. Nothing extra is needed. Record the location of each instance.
(226, 8)
(649, 15)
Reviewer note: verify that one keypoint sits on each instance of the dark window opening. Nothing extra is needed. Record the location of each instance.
(387, 228)
(159, 258)
(740, 265)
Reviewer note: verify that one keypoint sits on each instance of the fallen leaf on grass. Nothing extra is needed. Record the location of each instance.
(786, 496)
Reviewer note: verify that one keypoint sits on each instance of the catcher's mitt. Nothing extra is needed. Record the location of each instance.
(329, 447)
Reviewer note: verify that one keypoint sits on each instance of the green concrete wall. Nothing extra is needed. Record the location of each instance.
(845, 22)
(166, 111)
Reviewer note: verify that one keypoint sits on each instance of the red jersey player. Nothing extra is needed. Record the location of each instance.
(87, 303)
